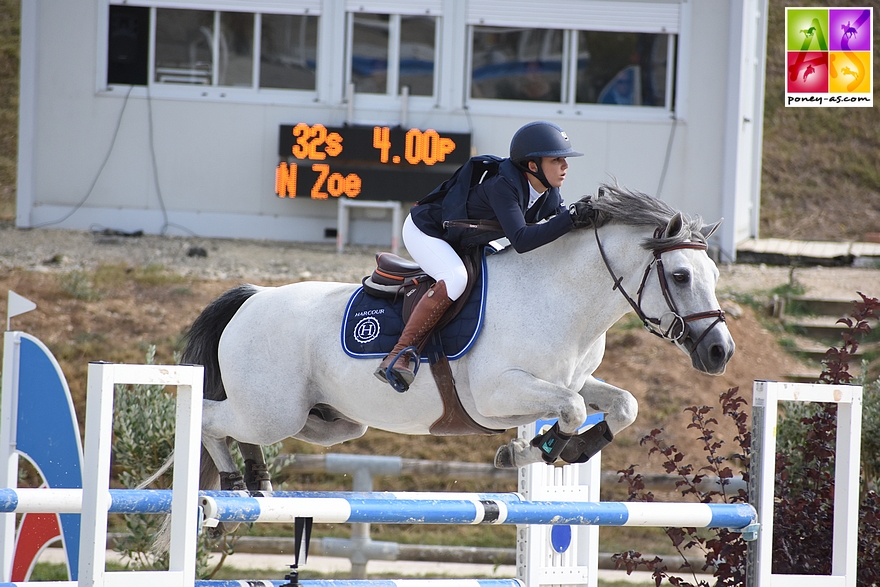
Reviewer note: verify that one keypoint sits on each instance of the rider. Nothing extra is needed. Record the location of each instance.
(524, 192)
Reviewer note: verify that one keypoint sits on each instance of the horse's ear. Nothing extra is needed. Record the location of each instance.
(674, 226)
(709, 229)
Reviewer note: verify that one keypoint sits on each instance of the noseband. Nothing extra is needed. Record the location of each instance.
(672, 325)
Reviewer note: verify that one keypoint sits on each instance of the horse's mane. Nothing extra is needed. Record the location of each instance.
(635, 208)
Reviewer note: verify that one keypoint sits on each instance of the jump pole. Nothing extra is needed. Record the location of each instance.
(475, 511)
(386, 508)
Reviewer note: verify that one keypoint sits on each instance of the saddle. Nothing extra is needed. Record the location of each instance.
(395, 276)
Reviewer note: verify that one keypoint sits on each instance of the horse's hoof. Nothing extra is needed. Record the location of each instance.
(214, 533)
(233, 481)
(256, 476)
(504, 458)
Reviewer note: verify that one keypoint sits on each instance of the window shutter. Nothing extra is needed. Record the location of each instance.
(270, 6)
(409, 7)
(597, 15)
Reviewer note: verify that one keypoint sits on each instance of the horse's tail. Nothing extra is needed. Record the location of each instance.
(202, 344)
(203, 338)
(209, 478)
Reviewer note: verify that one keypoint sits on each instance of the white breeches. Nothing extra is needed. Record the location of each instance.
(436, 257)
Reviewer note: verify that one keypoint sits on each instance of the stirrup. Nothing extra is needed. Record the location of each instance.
(391, 376)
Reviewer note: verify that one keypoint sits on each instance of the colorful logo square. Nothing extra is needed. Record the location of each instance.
(807, 29)
(829, 58)
(850, 72)
(849, 30)
(807, 72)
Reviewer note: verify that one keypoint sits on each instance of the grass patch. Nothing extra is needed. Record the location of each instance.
(114, 275)
(96, 285)
(792, 288)
(80, 286)
(49, 572)
(795, 307)
(10, 31)
(156, 274)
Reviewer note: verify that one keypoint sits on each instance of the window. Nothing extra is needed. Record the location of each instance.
(212, 48)
(288, 51)
(390, 51)
(417, 54)
(621, 68)
(236, 50)
(184, 46)
(369, 53)
(186, 52)
(128, 45)
(517, 64)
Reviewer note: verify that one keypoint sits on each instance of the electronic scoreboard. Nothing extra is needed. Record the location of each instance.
(366, 162)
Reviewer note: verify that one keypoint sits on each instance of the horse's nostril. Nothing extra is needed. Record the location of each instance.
(717, 354)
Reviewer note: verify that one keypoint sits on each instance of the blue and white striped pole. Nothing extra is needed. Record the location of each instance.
(474, 511)
(393, 508)
(70, 501)
(24, 500)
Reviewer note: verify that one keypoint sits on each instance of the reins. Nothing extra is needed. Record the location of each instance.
(677, 329)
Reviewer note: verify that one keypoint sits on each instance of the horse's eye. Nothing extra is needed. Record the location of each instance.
(681, 276)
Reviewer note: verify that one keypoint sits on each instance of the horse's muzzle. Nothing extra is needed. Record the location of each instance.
(713, 352)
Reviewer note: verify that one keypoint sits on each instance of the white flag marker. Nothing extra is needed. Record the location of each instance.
(17, 305)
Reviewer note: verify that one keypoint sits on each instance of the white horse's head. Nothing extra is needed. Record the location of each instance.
(676, 299)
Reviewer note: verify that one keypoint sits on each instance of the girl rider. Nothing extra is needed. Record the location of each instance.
(523, 193)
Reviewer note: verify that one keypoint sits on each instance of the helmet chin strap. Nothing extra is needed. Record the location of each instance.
(539, 174)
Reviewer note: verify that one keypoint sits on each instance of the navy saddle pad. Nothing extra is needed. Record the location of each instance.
(371, 326)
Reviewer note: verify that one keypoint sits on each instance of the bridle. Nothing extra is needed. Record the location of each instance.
(671, 326)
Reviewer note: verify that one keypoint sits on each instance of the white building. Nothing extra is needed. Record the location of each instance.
(166, 115)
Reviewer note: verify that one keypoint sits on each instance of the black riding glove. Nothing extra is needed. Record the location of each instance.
(584, 215)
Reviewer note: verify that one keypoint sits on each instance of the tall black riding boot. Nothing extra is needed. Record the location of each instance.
(424, 317)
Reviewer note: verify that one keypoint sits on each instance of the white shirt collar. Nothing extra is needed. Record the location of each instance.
(533, 194)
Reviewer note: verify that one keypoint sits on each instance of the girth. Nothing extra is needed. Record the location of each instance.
(395, 276)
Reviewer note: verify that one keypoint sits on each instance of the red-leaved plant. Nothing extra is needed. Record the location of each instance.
(803, 520)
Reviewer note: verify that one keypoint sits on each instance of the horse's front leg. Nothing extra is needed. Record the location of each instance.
(519, 392)
(620, 409)
(618, 405)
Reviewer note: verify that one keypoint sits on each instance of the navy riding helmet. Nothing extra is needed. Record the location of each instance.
(539, 139)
